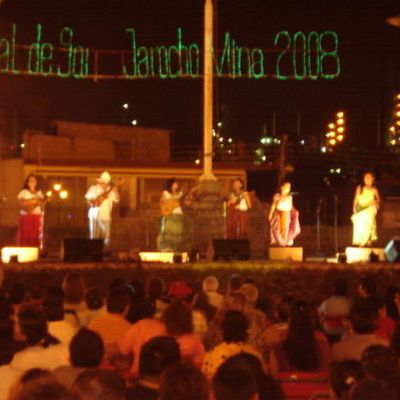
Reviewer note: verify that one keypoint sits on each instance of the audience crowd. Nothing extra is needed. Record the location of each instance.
(153, 341)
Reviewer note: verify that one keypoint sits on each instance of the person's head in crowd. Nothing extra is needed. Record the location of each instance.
(183, 382)
(340, 287)
(236, 379)
(367, 287)
(234, 283)
(372, 389)
(343, 376)
(98, 384)
(31, 327)
(18, 294)
(53, 305)
(210, 284)
(86, 349)
(156, 355)
(178, 319)
(379, 362)
(7, 348)
(117, 283)
(180, 290)
(250, 292)
(94, 299)
(38, 384)
(117, 301)
(300, 345)
(234, 327)
(74, 288)
(395, 341)
(155, 289)
(391, 300)
(234, 301)
(283, 308)
(201, 302)
(363, 317)
(136, 290)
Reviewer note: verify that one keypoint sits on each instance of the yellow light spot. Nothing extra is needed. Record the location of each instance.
(340, 121)
(63, 194)
(340, 114)
(331, 125)
(340, 129)
(340, 138)
(332, 142)
(57, 187)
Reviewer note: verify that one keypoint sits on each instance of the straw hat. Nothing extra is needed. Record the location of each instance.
(105, 177)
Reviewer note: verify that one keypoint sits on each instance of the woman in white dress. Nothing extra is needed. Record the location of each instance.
(283, 217)
(365, 208)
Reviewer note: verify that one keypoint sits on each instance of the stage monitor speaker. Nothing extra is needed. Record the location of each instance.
(82, 250)
(231, 249)
(392, 250)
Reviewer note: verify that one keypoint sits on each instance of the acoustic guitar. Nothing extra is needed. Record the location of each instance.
(168, 206)
(97, 202)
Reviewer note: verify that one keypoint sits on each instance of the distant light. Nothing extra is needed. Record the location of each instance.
(392, 142)
(125, 106)
(22, 145)
(323, 149)
(398, 97)
(134, 122)
(197, 162)
(331, 125)
(340, 129)
(229, 151)
(230, 140)
(340, 138)
(221, 139)
(398, 114)
(49, 193)
(220, 124)
(391, 129)
(214, 133)
(332, 142)
(398, 123)
(57, 187)
(302, 142)
(340, 114)
(63, 194)
(338, 170)
(264, 158)
(340, 121)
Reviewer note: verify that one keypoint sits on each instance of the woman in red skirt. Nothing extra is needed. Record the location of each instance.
(30, 222)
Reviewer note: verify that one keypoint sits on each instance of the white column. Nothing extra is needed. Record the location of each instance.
(208, 93)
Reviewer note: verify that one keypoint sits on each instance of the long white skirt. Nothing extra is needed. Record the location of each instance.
(364, 226)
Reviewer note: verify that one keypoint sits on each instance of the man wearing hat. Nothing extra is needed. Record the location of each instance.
(101, 198)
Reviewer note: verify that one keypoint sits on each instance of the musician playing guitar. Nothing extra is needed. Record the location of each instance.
(172, 224)
(239, 202)
(101, 198)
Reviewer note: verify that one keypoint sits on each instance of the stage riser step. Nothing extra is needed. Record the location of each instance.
(285, 253)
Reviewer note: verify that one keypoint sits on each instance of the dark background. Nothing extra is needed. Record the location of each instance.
(369, 51)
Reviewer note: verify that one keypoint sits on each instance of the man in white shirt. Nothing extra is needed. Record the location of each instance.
(101, 198)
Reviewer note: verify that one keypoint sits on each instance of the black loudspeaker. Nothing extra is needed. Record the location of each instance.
(392, 250)
(82, 250)
(231, 249)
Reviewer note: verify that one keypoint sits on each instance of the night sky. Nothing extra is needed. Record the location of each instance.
(369, 50)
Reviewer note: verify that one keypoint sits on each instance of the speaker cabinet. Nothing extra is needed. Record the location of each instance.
(82, 250)
(230, 249)
(392, 250)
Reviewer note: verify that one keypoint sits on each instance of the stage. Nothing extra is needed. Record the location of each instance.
(307, 280)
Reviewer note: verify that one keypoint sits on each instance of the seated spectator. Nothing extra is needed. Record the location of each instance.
(304, 349)
(8, 374)
(234, 283)
(201, 304)
(94, 306)
(343, 376)
(40, 349)
(156, 355)
(155, 294)
(139, 334)
(234, 327)
(86, 351)
(38, 384)
(99, 385)
(112, 325)
(380, 362)
(183, 382)
(372, 389)
(74, 294)
(241, 377)
(210, 287)
(277, 332)
(139, 307)
(178, 324)
(18, 295)
(367, 288)
(363, 323)
(392, 303)
(334, 310)
(53, 308)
